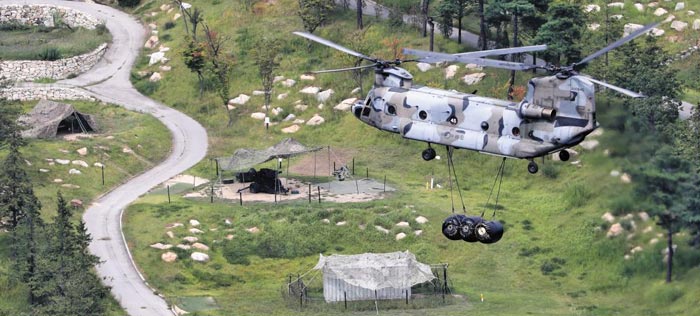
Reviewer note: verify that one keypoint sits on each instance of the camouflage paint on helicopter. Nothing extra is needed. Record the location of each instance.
(556, 113)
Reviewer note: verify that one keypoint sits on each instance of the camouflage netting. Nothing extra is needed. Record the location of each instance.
(49, 118)
(244, 159)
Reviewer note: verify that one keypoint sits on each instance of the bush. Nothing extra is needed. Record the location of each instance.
(128, 3)
(101, 29)
(550, 171)
(168, 25)
(577, 195)
(50, 53)
(146, 87)
(622, 204)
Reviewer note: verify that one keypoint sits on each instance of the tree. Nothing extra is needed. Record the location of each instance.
(463, 6)
(517, 8)
(562, 33)
(643, 69)
(497, 16)
(266, 56)
(194, 57)
(359, 4)
(670, 191)
(8, 120)
(128, 3)
(219, 67)
(314, 13)
(483, 39)
(64, 284)
(447, 11)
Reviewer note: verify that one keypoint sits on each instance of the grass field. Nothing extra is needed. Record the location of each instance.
(118, 129)
(553, 260)
(33, 43)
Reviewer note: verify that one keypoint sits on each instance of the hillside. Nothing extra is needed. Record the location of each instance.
(555, 257)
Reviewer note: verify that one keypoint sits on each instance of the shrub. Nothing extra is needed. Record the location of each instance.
(50, 53)
(622, 204)
(128, 3)
(146, 87)
(101, 29)
(168, 25)
(577, 195)
(550, 171)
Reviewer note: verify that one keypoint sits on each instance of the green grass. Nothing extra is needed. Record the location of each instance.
(31, 43)
(148, 138)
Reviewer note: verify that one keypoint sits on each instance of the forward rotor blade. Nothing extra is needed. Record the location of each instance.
(333, 45)
(616, 44)
(433, 57)
(616, 88)
(504, 51)
(343, 69)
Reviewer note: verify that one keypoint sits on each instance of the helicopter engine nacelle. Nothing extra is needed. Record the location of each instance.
(533, 111)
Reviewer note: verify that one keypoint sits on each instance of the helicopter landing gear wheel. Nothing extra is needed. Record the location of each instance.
(564, 155)
(452, 226)
(429, 154)
(532, 167)
(489, 232)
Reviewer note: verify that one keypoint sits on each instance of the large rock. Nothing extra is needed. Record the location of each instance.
(169, 256)
(291, 129)
(625, 178)
(325, 95)
(639, 7)
(400, 236)
(679, 6)
(381, 229)
(660, 11)
(307, 77)
(403, 224)
(301, 107)
(630, 27)
(289, 117)
(152, 42)
(62, 161)
(471, 79)
(195, 231)
(161, 246)
(345, 105)
(616, 5)
(282, 96)
(190, 239)
(608, 217)
(615, 230)
(199, 257)
(315, 120)
(696, 24)
(258, 115)
(310, 90)
(80, 163)
(74, 171)
(277, 79)
(194, 223)
(593, 26)
(421, 220)
(253, 230)
(200, 246)
(155, 77)
(451, 71)
(656, 32)
(82, 151)
(590, 144)
(240, 99)
(679, 26)
(424, 66)
(157, 57)
(258, 92)
(289, 83)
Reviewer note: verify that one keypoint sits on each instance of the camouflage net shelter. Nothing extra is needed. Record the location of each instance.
(48, 119)
(371, 276)
(244, 158)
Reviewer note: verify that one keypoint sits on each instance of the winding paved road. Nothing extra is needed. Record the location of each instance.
(109, 81)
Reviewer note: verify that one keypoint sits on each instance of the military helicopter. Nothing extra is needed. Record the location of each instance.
(557, 113)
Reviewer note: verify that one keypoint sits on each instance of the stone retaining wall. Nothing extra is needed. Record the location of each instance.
(29, 70)
(44, 14)
(44, 93)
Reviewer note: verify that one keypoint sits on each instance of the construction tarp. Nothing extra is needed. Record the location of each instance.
(48, 118)
(371, 276)
(245, 158)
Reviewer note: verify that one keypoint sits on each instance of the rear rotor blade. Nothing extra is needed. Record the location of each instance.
(616, 44)
(616, 88)
(343, 69)
(434, 57)
(504, 51)
(334, 45)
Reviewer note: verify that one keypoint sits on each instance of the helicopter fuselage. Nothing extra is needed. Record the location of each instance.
(556, 113)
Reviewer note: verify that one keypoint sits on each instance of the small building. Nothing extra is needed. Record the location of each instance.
(49, 119)
(371, 276)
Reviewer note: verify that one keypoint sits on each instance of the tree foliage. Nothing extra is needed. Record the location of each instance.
(447, 11)
(562, 33)
(266, 57)
(314, 13)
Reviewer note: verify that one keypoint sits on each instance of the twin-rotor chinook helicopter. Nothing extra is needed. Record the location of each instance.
(557, 113)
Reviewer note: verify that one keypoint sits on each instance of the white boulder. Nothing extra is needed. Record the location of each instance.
(80, 163)
(186, 5)
(451, 71)
(424, 66)
(616, 5)
(345, 105)
(381, 229)
(258, 92)
(630, 27)
(199, 257)
(400, 236)
(402, 224)
(626, 178)
(200, 246)
(258, 116)
(253, 230)
(169, 256)
(356, 90)
(471, 79)
(639, 7)
(82, 151)
(341, 223)
(301, 107)
(157, 57)
(190, 239)
(277, 79)
(593, 26)
(679, 6)
(615, 230)
(74, 171)
(152, 42)
(473, 67)
(291, 129)
(323, 96)
(592, 8)
(696, 24)
(194, 223)
(195, 230)
(289, 117)
(608, 217)
(656, 32)
(315, 120)
(307, 77)
(679, 26)
(240, 99)
(161, 246)
(421, 220)
(282, 96)
(310, 90)
(62, 161)
(659, 11)
(289, 83)
(418, 232)
(155, 77)
(643, 216)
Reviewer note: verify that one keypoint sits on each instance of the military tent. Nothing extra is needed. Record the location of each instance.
(49, 119)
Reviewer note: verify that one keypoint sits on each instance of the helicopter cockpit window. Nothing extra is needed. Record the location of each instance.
(573, 95)
(390, 109)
